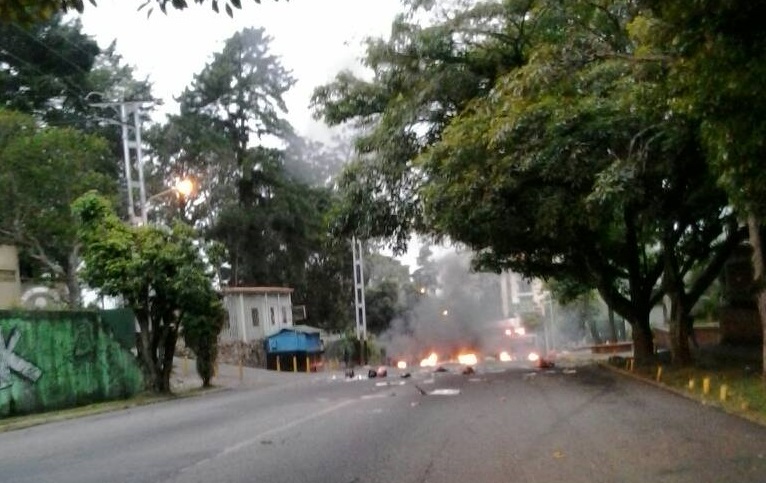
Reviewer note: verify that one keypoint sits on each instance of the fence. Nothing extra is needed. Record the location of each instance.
(57, 359)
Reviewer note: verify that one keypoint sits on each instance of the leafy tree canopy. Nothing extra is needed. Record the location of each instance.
(28, 11)
(561, 156)
(267, 205)
(43, 170)
(161, 275)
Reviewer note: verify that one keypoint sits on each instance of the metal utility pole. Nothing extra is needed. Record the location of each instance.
(131, 140)
(504, 293)
(549, 326)
(360, 311)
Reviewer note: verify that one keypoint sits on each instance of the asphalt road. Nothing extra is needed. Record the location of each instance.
(511, 426)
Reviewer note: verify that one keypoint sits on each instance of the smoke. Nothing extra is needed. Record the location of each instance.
(460, 310)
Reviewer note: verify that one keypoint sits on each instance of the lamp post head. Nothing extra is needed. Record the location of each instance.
(185, 187)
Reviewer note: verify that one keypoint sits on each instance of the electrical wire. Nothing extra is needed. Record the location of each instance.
(51, 50)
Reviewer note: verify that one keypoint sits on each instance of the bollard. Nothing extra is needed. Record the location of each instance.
(724, 392)
(691, 384)
(241, 371)
(308, 364)
(632, 362)
(295, 363)
(185, 366)
(278, 368)
(706, 386)
(659, 373)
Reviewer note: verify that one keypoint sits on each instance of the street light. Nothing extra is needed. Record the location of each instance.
(183, 187)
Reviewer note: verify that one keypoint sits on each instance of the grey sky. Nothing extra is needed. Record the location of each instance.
(315, 39)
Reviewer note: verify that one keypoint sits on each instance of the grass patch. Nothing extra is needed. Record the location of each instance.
(731, 385)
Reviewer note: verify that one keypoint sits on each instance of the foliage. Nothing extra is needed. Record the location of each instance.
(382, 305)
(314, 163)
(235, 99)
(328, 292)
(266, 205)
(716, 56)
(45, 68)
(238, 95)
(532, 321)
(43, 170)
(55, 72)
(160, 274)
(717, 49)
(29, 11)
(546, 142)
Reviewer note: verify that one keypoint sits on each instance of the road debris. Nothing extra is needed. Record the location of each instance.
(445, 392)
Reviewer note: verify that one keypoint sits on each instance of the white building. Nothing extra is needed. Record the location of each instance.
(256, 312)
(519, 294)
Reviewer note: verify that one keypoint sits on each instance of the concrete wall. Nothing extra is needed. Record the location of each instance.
(10, 285)
(57, 359)
(274, 313)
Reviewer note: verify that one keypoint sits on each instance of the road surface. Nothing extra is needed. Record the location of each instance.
(498, 425)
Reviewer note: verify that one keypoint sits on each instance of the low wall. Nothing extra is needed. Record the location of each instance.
(612, 348)
(706, 335)
(56, 359)
(252, 354)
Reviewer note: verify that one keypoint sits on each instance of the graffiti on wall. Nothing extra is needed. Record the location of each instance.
(12, 362)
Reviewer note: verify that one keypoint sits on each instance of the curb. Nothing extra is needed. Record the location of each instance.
(681, 393)
(31, 420)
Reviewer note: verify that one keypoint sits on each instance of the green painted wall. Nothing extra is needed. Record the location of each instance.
(56, 359)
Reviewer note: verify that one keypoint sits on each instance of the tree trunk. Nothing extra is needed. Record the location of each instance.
(164, 346)
(754, 228)
(675, 289)
(643, 341)
(679, 332)
(612, 326)
(168, 353)
(73, 281)
(593, 328)
(145, 352)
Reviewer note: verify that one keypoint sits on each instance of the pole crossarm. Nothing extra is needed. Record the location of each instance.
(131, 149)
(360, 309)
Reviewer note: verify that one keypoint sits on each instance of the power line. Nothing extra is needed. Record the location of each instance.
(69, 84)
(51, 50)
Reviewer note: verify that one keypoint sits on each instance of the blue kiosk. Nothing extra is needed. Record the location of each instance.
(297, 349)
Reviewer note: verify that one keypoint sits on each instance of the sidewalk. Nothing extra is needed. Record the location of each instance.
(185, 378)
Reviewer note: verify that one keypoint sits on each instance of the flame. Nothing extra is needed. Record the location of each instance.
(468, 359)
(401, 365)
(505, 357)
(533, 357)
(430, 361)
